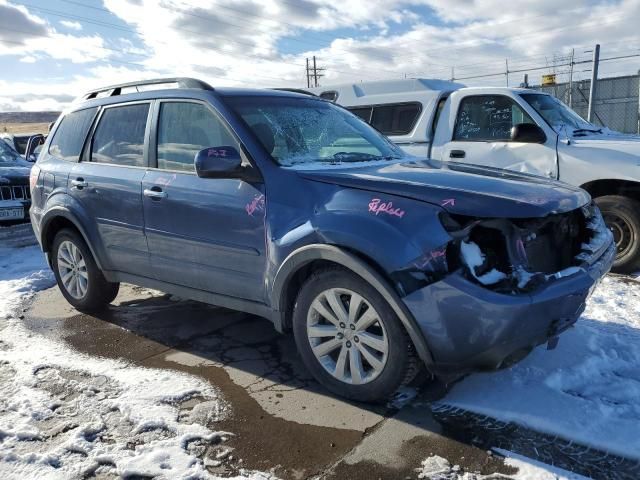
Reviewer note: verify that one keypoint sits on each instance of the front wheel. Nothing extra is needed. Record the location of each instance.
(349, 337)
(622, 216)
(79, 278)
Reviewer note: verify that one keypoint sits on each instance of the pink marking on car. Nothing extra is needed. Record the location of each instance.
(257, 204)
(376, 206)
(448, 201)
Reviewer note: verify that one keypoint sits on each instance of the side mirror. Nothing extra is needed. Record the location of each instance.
(527, 133)
(218, 162)
(34, 142)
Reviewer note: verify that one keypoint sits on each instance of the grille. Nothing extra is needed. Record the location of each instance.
(16, 192)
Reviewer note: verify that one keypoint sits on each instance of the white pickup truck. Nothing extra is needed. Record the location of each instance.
(512, 128)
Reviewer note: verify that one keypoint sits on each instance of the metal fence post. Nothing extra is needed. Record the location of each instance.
(594, 81)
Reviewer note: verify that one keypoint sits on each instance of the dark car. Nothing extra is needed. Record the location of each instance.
(289, 207)
(15, 196)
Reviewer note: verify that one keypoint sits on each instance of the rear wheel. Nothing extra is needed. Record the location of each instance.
(622, 216)
(350, 339)
(79, 278)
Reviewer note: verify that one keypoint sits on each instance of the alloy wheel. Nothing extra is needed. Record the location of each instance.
(347, 336)
(72, 269)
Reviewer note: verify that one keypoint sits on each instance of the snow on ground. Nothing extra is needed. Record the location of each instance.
(586, 390)
(438, 468)
(65, 415)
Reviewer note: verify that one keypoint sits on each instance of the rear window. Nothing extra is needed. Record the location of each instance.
(119, 138)
(70, 135)
(390, 119)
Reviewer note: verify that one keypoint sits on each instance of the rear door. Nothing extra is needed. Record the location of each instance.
(108, 184)
(204, 233)
(481, 136)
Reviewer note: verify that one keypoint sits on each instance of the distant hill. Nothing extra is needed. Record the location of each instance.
(28, 117)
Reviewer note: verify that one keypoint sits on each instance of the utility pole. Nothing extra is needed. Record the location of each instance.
(573, 51)
(594, 80)
(316, 74)
(308, 76)
(506, 72)
(453, 74)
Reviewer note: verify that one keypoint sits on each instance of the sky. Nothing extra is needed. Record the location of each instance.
(52, 51)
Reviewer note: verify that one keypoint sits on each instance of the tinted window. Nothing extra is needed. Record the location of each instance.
(488, 118)
(362, 112)
(119, 138)
(330, 95)
(69, 136)
(395, 119)
(183, 130)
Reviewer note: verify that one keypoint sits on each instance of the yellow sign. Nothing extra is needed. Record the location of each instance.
(549, 79)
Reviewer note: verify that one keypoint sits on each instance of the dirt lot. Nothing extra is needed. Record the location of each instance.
(24, 128)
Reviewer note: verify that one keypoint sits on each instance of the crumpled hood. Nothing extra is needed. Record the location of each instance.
(460, 188)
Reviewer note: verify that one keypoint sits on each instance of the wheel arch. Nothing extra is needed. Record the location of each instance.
(603, 187)
(298, 265)
(57, 219)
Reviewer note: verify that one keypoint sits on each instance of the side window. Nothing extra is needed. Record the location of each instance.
(488, 118)
(185, 128)
(395, 119)
(69, 137)
(363, 112)
(119, 138)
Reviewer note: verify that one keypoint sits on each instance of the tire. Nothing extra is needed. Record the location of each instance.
(70, 251)
(622, 215)
(393, 360)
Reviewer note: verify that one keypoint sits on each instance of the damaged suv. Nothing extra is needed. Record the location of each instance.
(289, 207)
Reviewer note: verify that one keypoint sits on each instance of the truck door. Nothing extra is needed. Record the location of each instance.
(480, 134)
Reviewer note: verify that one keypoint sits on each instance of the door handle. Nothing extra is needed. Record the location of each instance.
(79, 183)
(154, 193)
(457, 154)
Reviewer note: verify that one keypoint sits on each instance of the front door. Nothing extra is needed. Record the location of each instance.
(108, 184)
(203, 233)
(482, 132)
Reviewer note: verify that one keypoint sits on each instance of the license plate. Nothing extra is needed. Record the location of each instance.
(11, 213)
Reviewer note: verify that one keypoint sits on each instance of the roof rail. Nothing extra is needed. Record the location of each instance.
(114, 90)
(295, 90)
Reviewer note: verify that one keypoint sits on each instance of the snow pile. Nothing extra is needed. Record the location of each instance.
(68, 415)
(474, 258)
(438, 468)
(587, 389)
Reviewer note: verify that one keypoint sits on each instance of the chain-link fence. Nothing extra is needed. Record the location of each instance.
(616, 104)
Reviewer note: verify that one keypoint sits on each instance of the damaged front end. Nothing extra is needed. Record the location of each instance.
(515, 256)
(500, 286)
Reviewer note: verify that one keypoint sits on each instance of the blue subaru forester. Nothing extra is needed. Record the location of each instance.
(287, 206)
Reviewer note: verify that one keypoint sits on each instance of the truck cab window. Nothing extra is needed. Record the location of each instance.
(488, 118)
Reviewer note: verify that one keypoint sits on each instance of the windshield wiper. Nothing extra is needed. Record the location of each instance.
(583, 131)
(358, 157)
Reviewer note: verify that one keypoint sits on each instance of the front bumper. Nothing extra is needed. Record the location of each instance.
(468, 327)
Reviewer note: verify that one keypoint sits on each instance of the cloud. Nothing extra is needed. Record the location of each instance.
(71, 25)
(17, 25)
(243, 42)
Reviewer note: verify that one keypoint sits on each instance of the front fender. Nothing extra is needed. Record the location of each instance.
(350, 261)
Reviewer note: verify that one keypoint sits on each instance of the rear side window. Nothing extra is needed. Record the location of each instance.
(119, 138)
(488, 118)
(395, 119)
(70, 135)
(390, 119)
(363, 112)
(184, 129)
